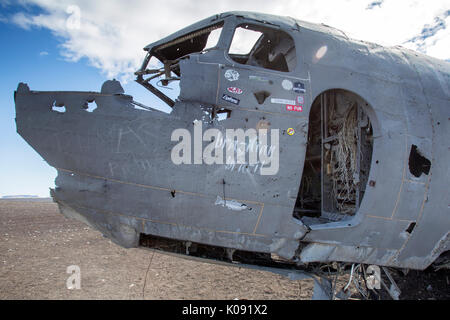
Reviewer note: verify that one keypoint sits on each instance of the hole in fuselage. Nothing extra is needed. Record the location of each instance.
(411, 227)
(338, 158)
(90, 106)
(418, 164)
(204, 251)
(58, 107)
(222, 114)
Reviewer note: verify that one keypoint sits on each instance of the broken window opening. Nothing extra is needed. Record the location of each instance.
(244, 40)
(58, 107)
(338, 159)
(263, 47)
(167, 70)
(417, 163)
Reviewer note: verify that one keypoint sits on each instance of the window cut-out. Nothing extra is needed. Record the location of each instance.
(263, 47)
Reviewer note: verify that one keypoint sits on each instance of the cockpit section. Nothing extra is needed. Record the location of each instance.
(169, 56)
(203, 52)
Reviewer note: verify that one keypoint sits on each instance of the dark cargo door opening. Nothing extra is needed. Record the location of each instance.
(338, 158)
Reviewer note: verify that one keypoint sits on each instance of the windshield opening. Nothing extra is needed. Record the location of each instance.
(169, 55)
(197, 41)
(263, 47)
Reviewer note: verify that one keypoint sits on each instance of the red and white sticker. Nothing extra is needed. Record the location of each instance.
(234, 90)
(290, 107)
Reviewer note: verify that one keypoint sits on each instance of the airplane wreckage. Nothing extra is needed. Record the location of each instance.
(355, 174)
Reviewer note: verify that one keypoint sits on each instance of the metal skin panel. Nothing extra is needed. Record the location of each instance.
(131, 156)
(115, 170)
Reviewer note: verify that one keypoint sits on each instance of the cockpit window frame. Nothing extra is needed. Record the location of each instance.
(228, 26)
(154, 52)
(256, 26)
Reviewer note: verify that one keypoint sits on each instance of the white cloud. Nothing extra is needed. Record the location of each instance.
(434, 39)
(111, 34)
(43, 53)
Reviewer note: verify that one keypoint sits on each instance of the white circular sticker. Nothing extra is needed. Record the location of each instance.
(231, 75)
(287, 84)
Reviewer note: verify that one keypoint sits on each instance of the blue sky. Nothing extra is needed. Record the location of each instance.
(22, 170)
(33, 56)
(39, 49)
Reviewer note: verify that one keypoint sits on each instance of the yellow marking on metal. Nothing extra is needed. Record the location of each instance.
(403, 177)
(389, 219)
(259, 218)
(417, 220)
(412, 181)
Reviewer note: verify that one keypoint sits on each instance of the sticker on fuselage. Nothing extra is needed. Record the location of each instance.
(231, 75)
(290, 131)
(261, 79)
(287, 84)
(230, 99)
(300, 100)
(235, 90)
(299, 87)
(282, 101)
(290, 107)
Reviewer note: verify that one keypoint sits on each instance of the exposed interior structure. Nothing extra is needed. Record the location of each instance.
(169, 55)
(338, 158)
(215, 253)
